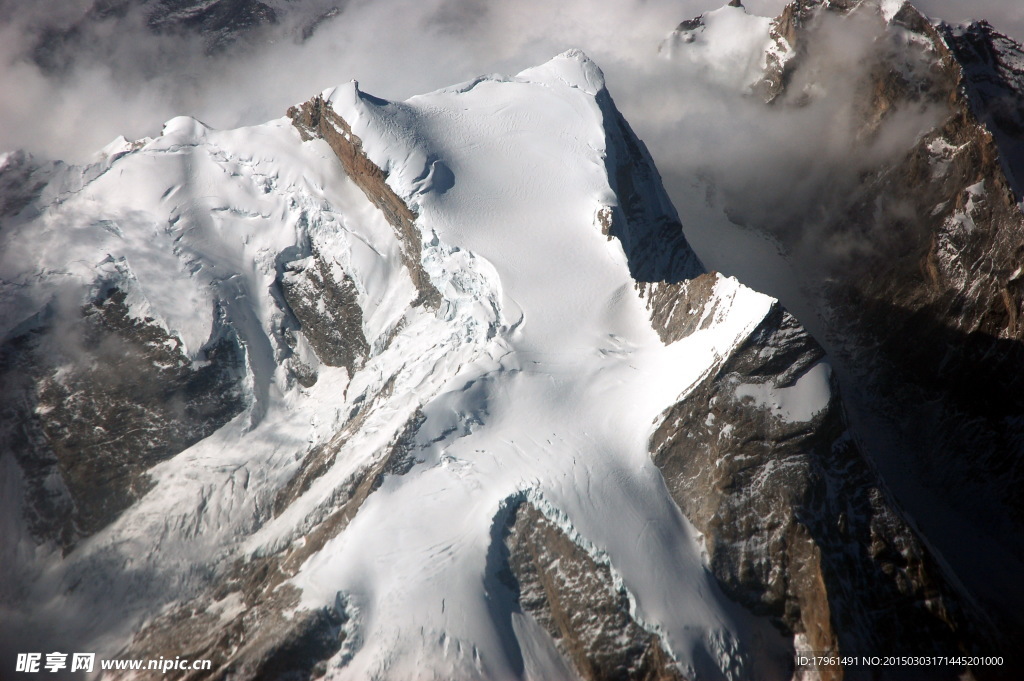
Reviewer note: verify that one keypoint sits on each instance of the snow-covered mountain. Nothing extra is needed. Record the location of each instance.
(439, 389)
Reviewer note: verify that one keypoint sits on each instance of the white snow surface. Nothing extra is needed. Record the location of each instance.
(797, 403)
(540, 374)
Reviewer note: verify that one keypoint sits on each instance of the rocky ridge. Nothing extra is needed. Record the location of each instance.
(574, 598)
(316, 119)
(797, 524)
(914, 266)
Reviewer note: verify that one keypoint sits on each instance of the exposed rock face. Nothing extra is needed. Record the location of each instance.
(918, 265)
(327, 310)
(209, 630)
(937, 309)
(644, 221)
(220, 21)
(92, 406)
(317, 119)
(797, 524)
(246, 623)
(786, 32)
(677, 310)
(992, 82)
(575, 601)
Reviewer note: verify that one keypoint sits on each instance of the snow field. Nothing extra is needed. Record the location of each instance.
(562, 411)
(540, 373)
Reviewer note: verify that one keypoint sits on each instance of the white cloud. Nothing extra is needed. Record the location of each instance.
(129, 81)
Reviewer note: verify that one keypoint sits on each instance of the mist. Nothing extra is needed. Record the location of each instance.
(114, 76)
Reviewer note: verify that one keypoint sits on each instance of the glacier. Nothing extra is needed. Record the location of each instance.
(539, 372)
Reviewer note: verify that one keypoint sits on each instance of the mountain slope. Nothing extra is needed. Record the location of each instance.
(459, 344)
(907, 261)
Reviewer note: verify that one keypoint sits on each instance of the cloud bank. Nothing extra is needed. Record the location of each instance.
(112, 75)
(124, 79)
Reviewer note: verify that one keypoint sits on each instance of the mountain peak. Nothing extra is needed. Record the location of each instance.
(572, 67)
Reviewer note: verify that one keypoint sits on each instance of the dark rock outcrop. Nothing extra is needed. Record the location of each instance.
(92, 405)
(327, 310)
(575, 600)
(797, 525)
(679, 309)
(216, 24)
(992, 66)
(221, 22)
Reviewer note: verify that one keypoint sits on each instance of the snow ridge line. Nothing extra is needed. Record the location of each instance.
(318, 119)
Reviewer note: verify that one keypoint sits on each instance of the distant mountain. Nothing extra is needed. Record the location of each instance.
(63, 41)
(912, 268)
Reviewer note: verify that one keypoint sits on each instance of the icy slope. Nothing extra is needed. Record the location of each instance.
(535, 370)
(472, 362)
(562, 408)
